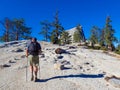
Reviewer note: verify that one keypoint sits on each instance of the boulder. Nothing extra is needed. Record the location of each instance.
(60, 51)
(58, 66)
(114, 80)
(72, 47)
(18, 50)
(59, 57)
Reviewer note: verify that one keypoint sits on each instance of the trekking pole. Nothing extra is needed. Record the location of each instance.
(26, 69)
(39, 65)
(39, 69)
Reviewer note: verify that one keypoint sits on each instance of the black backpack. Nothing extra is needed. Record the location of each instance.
(34, 48)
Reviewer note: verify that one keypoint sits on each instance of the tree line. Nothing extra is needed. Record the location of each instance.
(104, 37)
(55, 32)
(16, 29)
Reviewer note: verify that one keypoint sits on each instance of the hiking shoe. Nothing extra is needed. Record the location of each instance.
(36, 79)
(32, 78)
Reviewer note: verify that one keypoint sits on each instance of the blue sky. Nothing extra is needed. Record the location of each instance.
(71, 12)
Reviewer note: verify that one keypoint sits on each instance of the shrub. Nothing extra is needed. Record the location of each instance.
(103, 48)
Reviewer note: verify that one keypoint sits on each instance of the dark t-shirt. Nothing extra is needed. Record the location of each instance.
(34, 48)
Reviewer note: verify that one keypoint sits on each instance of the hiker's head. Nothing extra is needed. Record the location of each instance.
(34, 39)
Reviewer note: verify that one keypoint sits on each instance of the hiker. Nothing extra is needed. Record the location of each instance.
(32, 52)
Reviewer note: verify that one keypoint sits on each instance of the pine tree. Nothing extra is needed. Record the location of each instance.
(117, 50)
(18, 23)
(26, 32)
(94, 38)
(6, 23)
(53, 38)
(14, 30)
(2, 38)
(78, 35)
(45, 31)
(102, 38)
(20, 30)
(65, 38)
(109, 34)
(57, 30)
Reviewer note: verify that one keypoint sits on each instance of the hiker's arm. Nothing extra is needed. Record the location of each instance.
(40, 51)
(26, 52)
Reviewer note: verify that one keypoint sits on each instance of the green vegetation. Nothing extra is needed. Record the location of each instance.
(45, 31)
(105, 37)
(118, 49)
(65, 38)
(94, 36)
(57, 30)
(79, 34)
(109, 35)
(14, 30)
(100, 39)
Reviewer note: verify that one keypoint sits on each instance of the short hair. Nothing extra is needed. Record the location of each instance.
(35, 39)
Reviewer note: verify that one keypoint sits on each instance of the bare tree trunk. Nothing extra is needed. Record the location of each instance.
(7, 30)
(16, 36)
(7, 36)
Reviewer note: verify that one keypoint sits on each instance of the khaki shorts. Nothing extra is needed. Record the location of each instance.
(34, 60)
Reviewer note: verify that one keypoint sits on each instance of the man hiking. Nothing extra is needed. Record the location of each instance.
(32, 53)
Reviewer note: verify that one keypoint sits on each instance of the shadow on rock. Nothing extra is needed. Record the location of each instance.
(10, 61)
(59, 57)
(4, 66)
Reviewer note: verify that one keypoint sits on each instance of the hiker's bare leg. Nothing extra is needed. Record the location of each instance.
(35, 71)
(31, 69)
